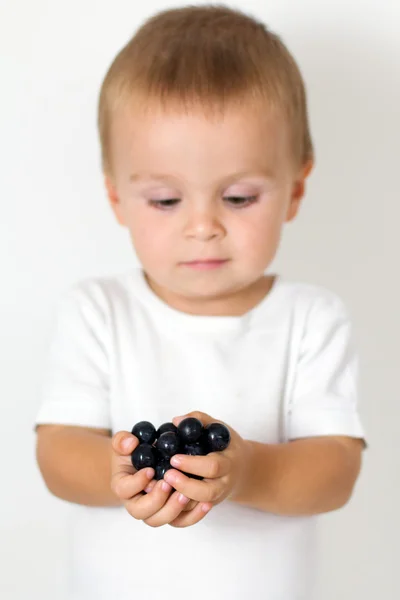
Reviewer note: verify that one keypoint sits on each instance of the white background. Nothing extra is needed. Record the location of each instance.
(56, 228)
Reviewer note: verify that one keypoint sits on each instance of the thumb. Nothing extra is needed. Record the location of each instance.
(124, 443)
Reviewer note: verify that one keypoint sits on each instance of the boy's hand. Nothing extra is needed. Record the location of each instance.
(223, 472)
(157, 507)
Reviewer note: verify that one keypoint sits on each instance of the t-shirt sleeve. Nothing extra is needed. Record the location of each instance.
(74, 389)
(324, 398)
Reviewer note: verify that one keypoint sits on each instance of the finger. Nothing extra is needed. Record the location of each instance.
(169, 512)
(144, 506)
(201, 491)
(212, 466)
(150, 487)
(121, 463)
(185, 519)
(124, 443)
(190, 506)
(127, 485)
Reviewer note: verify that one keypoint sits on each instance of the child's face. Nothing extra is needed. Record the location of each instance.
(198, 211)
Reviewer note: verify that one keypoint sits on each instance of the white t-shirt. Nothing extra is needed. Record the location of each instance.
(286, 369)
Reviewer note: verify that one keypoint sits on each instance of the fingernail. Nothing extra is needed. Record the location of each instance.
(149, 473)
(148, 489)
(176, 461)
(206, 507)
(126, 443)
(182, 499)
(165, 487)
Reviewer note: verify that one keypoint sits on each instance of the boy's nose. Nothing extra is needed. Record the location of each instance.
(204, 225)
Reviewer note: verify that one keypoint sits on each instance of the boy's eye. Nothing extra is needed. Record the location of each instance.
(164, 203)
(239, 201)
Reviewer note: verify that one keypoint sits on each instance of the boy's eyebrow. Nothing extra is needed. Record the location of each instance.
(146, 176)
(149, 176)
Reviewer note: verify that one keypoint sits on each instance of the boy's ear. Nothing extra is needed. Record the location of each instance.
(298, 190)
(114, 200)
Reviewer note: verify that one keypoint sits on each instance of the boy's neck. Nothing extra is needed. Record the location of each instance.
(236, 305)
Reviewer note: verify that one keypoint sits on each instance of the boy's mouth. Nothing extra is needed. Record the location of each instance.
(205, 264)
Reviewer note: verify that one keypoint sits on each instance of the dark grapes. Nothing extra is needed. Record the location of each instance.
(190, 437)
(195, 449)
(190, 430)
(162, 467)
(145, 432)
(218, 437)
(143, 456)
(168, 444)
(166, 427)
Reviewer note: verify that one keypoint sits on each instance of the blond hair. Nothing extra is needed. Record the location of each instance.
(206, 56)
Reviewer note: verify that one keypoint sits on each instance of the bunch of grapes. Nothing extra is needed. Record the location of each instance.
(156, 447)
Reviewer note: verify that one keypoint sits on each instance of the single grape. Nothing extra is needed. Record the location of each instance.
(166, 427)
(190, 430)
(195, 449)
(161, 468)
(143, 456)
(218, 437)
(168, 444)
(145, 432)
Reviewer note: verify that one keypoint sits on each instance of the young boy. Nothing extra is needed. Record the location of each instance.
(206, 149)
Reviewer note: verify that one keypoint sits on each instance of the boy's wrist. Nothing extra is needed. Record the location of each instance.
(244, 481)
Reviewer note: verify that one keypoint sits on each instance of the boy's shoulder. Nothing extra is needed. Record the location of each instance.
(312, 296)
(100, 293)
(109, 284)
(96, 288)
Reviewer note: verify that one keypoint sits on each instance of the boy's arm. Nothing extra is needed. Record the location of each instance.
(86, 466)
(75, 463)
(301, 477)
(311, 475)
